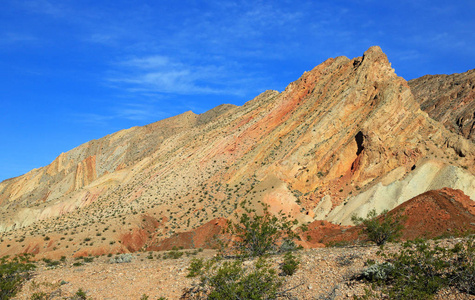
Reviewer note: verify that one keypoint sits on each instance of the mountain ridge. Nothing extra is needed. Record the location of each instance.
(330, 139)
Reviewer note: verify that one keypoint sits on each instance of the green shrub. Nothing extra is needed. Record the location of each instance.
(39, 296)
(13, 273)
(463, 262)
(290, 264)
(122, 258)
(88, 259)
(378, 272)
(173, 254)
(419, 270)
(196, 267)
(80, 295)
(260, 234)
(380, 229)
(346, 259)
(232, 280)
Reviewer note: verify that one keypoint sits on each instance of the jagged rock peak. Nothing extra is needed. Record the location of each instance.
(374, 53)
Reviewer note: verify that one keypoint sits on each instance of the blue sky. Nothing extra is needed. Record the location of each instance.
(72, 70)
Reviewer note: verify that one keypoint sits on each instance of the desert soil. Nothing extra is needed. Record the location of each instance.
(324, 273)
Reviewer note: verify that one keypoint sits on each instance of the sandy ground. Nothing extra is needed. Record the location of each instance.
(323, 274)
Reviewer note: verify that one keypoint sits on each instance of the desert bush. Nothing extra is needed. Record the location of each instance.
(224, 279)
(463, 262)
(421, 269)
(347, 259)
(196, 267)
(39, 296)
(13, 273)
(80, 295)
(88, 259)
(380, 229)
(260, 234)
(51, 263)
(290, 264)
(287, 245)
(377, 272)
(255, 235)
(122, 258)
(173, 254)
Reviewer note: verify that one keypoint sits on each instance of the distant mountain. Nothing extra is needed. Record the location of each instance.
(449, 99)
(346, 137)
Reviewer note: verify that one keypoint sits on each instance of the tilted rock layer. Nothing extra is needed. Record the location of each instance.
(449, 99)
(347, 127)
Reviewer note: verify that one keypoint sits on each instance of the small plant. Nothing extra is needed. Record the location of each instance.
(80, 295)
(53, 263)
(290, 264)
(381, 229)
(173, 254)
(196, 267)
(88, 259)
(377, 272)
(346, 260)
(122, 258)
(39, 296)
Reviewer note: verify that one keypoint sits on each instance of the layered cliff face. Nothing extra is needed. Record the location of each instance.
(449, 99)
(331, 143)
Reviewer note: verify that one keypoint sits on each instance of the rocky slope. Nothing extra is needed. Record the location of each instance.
(433, 214)
(449, 99)
(332, 144)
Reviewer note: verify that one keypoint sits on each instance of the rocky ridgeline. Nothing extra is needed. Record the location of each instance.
(448, 99)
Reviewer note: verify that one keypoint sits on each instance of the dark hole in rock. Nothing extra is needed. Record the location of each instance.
(413, 167)
(359, 138)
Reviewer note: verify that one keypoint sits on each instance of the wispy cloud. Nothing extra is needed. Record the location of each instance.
(132, 111)
(12, 38)
(163, 74)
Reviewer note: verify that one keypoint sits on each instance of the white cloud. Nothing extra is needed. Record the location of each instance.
(132, 111)
(162, 74)
(11, 38)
